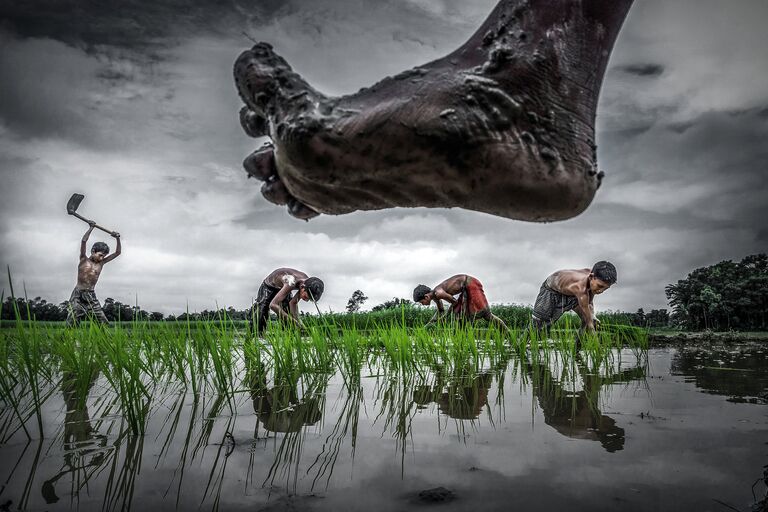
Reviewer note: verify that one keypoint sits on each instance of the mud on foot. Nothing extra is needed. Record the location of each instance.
(503, 125)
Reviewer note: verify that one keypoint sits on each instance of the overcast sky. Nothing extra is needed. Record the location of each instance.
(133, 104)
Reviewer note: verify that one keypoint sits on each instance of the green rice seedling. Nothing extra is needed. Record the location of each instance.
(173, 352)
(124, 367)
(318, 352)
(464, 346)
(27, 367)
(397, 345)
(79, 364)
(350, 355)
(218, 338)
(492, 342)
(284, 350)
(13, 415)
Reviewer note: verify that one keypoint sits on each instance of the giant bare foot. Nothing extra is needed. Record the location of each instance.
(503, 125)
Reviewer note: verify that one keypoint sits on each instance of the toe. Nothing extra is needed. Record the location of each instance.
(300, 210)
(255, 82)
(253, 124)
(274, 191)
(261, 163)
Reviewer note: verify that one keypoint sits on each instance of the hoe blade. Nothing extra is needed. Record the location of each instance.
(74, 202)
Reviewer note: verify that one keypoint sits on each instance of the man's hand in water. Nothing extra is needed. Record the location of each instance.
(503, 125)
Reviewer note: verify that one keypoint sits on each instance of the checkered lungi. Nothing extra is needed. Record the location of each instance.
(259, 314)
(84, 304)
(550, 305)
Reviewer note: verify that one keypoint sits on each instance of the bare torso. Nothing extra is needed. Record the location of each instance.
(285, 276)
(452, 285)
(576, 283)
(569, 282)
(89, 268)
(88, 272)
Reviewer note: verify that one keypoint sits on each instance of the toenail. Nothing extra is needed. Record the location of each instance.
(261, 163)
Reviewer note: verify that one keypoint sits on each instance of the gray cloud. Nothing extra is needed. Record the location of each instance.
(144, 122)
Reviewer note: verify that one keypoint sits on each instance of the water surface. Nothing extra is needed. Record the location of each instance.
(667, 429)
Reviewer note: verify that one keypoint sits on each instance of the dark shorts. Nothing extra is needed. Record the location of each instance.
(84, 304)
(259, 315)
(550, 305)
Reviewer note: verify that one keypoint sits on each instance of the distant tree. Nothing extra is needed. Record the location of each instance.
(638, 318)
(726, 295)
(391, 304)
(357, 300)
(657, 318)
(116, 310)
(37, 308)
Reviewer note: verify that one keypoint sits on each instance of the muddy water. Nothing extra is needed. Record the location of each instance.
(671, 429)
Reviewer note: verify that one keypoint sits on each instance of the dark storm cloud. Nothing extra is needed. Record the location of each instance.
(147, 24)
(651, 70)
(131, 23)
(58, 90)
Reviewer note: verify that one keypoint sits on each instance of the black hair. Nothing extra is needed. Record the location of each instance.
(605, 271)
(100, 247)
(420, 292)
(314, 287)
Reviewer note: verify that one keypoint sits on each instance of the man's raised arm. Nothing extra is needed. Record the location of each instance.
(85, 239)
(118, 249)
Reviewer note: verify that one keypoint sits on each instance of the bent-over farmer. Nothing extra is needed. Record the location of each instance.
(275, 295)
(469, 305)
(572, 290)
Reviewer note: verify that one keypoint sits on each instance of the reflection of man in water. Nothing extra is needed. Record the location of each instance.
(279, 408)
(576, 414)
(463, 399)
(80, 440)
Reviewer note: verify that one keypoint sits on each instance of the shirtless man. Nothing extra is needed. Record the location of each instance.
(275, 295)
(471, 303)
(83, 301)
(567, 290)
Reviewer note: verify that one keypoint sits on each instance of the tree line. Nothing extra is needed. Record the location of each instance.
(726, 295)
(393, 310)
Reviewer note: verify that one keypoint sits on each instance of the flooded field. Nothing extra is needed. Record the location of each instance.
(371, 429)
